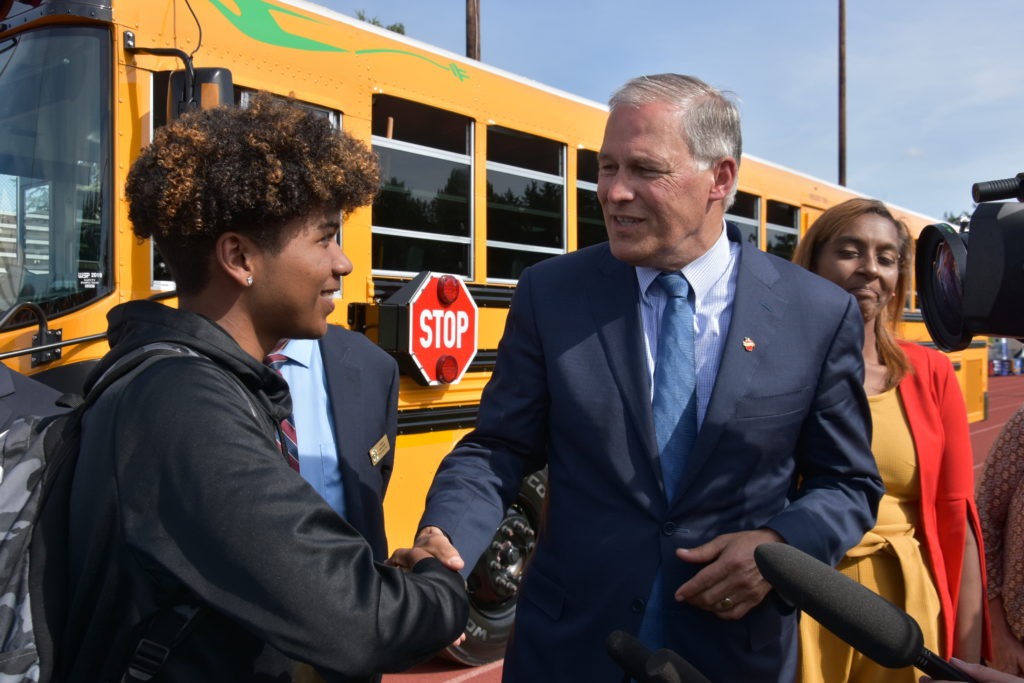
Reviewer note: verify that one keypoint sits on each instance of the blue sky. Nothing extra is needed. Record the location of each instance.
(935, 90)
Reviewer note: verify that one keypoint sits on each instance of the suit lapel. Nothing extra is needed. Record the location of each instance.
(615, 305)
(345, 392)
(758, 310)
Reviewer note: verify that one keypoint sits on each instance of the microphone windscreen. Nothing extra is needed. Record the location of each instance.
(629, 653)
(865, 620)
(668, 666)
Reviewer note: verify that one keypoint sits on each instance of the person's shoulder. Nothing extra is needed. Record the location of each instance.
(342, 336)
(21, 388)
(924, 359)
(599, 252)
(809, 286)
(155, 380)
(22, 396)
(576, 264)
(788, 269)
(158, 399)
(338, 338)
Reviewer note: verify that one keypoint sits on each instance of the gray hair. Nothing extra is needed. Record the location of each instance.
(709, 118)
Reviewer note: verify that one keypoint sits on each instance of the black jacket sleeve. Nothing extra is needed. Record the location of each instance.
(208, 501)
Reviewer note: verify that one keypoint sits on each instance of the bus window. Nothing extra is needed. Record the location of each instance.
(422, 218)
(243, 96)
(525, 201)
(589, 219)
(746, 214)
(783, 228)
(55, 169)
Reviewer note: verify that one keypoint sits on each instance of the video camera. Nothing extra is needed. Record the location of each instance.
(981, 292)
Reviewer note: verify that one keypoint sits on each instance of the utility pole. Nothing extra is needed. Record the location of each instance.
(473, 29)
(842, 92)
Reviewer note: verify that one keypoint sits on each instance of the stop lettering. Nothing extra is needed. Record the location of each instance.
(443, 329)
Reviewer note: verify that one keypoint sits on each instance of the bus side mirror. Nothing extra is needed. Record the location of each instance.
(210, 87)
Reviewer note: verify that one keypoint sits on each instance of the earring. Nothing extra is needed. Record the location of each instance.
(248, 281)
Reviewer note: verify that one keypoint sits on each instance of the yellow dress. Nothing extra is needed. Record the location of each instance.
(888, 560)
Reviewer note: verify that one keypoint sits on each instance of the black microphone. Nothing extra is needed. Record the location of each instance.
(662, 666)
(629, 653)
(667, 666)
(865, 620)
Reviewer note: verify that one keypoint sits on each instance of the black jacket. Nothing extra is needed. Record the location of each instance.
(181, 492)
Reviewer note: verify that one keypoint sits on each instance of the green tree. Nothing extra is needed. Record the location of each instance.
(397, 28)
(953, 218)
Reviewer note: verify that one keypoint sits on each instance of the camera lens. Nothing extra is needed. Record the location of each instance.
(949, 285)
(941, 268)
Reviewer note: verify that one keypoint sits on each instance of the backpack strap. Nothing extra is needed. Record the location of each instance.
(136, 359)
(144, 356)
(70, 400)
(165, 631)
(168, 627)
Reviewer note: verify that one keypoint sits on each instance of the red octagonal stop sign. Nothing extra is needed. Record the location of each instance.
(442, 327)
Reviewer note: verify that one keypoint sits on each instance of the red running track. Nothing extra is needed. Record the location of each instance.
(1005, 395)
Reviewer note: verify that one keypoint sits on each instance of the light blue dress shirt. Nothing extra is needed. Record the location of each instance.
(314, 424)
(712, 277)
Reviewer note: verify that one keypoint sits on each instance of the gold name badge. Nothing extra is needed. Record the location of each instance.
(379, 450)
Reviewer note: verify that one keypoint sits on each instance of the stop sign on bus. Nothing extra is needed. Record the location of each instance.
(435, 331)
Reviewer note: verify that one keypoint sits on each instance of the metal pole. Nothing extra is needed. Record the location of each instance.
(473, 29)
(842, 92)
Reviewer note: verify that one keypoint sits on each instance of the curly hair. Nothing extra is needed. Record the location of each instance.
(831, 223)
(249, 171)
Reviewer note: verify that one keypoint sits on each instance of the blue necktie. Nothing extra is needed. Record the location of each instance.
(675, 382)
(675, 421)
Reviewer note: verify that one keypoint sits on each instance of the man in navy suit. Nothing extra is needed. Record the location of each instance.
(344, 400)
(782, 449)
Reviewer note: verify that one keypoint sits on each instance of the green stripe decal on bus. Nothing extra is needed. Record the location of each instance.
(456, 70)
(255, 19)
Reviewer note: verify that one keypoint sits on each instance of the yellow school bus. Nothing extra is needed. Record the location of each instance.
(484, 173)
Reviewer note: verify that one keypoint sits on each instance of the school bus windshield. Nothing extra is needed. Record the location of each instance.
(54, 168)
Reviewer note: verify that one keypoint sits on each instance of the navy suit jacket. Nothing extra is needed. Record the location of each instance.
(21, 396)
(785, 444)
(362, 383)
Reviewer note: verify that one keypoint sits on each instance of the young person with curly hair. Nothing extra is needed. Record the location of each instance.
(182, 494)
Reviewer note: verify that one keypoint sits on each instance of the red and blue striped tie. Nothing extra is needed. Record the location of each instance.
(287, 439)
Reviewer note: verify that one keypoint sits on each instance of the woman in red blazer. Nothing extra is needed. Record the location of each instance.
(924, 553)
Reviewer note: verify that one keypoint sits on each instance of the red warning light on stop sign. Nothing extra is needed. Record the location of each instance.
(442, 329)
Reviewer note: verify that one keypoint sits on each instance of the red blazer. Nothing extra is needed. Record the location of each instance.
(938, 422)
